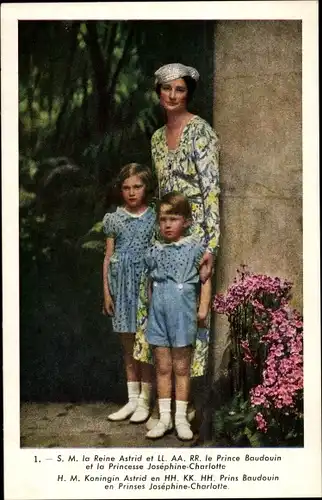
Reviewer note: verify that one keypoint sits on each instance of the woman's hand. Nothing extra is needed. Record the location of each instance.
(108, 306)
(206, 266)
(202, 315)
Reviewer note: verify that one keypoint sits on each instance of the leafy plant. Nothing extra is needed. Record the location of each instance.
(233, 424)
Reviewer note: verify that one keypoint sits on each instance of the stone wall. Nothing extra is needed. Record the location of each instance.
(257, 114)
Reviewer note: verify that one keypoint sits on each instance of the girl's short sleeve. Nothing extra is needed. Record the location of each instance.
(109, 225)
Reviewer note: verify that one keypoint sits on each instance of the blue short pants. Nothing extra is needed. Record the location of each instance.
(172, 318)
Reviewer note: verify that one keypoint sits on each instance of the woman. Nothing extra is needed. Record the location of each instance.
(185, 156)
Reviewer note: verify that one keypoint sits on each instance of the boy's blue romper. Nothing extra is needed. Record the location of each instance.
(174, 271)
(132, 236)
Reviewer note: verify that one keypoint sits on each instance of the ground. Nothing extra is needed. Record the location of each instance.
(59, 425)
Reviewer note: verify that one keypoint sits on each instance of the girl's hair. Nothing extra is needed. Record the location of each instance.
(141, 171)
(179, 204)
(191, 87)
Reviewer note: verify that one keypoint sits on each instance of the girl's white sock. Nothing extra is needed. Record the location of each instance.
(143, 404)
(146, 389)
(133, 389)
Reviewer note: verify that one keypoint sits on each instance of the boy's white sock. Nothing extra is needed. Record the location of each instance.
(164, 424)
(133, 389)
(153, 420)
(181, 411)
(165, 410)
(181, 423)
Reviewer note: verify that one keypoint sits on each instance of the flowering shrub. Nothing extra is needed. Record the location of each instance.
(266, 353)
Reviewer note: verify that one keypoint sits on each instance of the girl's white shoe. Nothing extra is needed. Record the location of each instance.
(142, 410)
(122, 414)
(141, 413)
(159, 430)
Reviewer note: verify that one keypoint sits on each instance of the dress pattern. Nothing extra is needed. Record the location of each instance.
(192, 169)
(132, 236)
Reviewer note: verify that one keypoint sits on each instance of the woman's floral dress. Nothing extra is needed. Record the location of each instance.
(192, 169)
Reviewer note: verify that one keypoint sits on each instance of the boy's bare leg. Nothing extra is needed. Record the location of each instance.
(181, 368)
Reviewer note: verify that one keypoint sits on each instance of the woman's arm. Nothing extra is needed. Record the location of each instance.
(108, 306)
(206, 266)
(205, 299)
(149, 290)
(206, 154)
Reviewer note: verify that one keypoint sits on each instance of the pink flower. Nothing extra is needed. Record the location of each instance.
(261, 422)
(248, 356)
(270, 334)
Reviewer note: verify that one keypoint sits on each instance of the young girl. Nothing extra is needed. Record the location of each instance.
(128, 234)
(173, 269)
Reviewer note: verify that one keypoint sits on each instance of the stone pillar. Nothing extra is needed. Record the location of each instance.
(257, 114)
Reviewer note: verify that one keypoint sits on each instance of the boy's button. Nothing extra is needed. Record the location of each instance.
(180, 286)
(155, 284)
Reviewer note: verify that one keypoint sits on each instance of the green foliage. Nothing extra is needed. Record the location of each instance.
(26, 198)
(233, 424)
(86, 107)
(94, 245)
(77, 126)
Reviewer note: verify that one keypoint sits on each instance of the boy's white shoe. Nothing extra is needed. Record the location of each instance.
(182, 425)
(151, 423)
(191, 414)
(183, 430)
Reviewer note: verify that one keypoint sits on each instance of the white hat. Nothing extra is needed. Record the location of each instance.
(173, 71)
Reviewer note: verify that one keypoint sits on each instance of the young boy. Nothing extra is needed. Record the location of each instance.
(178, 301)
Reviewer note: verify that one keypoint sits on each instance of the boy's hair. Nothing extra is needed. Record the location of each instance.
(179, 204)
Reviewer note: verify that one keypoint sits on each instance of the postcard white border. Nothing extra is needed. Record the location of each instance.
(303, 466)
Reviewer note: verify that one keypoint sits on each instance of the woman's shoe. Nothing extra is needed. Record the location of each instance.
(159, 430)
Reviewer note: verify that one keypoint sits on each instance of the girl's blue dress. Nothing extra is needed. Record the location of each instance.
(132, 236)
(173, 269)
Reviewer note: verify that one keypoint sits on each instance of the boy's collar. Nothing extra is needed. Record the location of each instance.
(183, 241)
